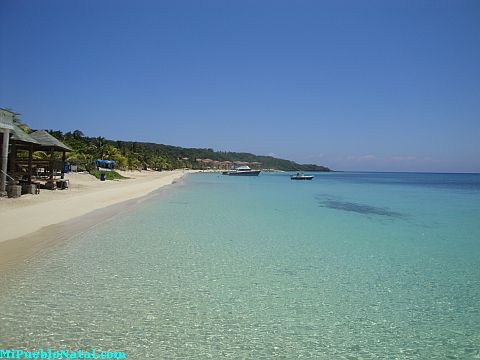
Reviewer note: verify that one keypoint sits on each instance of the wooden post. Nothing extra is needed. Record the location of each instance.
(30, 160)
(13, 159)
(3, 173)
(63, 165)
(52, 159)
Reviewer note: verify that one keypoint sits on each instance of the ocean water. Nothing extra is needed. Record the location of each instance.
(347, 266)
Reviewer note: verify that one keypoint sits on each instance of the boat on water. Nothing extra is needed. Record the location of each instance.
(301, 176)
(242, 171)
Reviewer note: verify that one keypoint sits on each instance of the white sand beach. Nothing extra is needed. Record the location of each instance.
(30, 213)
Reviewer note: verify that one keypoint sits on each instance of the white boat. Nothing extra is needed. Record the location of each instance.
(301, 176)
(242, 171)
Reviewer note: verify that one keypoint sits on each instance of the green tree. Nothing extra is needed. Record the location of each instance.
(100, 143)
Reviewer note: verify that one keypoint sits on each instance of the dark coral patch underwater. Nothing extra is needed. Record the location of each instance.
(365, 209)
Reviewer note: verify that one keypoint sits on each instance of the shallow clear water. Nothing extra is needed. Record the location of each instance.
(347, 266)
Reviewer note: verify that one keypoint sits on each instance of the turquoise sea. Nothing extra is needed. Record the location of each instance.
(347, 266)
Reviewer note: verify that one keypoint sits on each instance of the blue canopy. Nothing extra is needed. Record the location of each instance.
(106, 162)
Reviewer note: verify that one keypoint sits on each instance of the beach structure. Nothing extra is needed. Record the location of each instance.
(29, 171)
(52, 145)
(104, 164)
(6, 126)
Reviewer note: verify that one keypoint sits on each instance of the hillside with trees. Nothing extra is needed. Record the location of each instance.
(143, 155)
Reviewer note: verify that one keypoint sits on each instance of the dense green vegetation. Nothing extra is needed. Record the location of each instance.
(109, 175)
(141, 155)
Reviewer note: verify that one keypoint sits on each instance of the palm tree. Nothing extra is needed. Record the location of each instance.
(40, 155)
(110, 151)
(100, 143)
(17, 121)
(77, 134)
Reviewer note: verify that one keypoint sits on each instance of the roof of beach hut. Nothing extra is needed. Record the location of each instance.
(6, 119)
(21, 136)
(45, 139)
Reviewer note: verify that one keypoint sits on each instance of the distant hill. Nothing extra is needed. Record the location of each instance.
(195, 154)
(132, 154)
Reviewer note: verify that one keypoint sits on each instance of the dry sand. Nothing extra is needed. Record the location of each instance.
(30, 213)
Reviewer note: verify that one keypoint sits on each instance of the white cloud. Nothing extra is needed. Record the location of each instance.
(367, 157)
(403, 158)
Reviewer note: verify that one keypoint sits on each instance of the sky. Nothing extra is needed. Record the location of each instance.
(353, 85)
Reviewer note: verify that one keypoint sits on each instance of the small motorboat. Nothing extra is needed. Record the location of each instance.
(301, 176)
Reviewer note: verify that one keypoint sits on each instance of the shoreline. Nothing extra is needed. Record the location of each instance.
(61, 217)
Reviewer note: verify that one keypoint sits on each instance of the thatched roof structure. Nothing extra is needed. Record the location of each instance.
(6, 119)
(45, 139)
(19, 135)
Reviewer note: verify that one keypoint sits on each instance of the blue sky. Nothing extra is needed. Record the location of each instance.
(355, 85)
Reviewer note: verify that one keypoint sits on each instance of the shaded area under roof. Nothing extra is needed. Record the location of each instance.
(45, 139)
